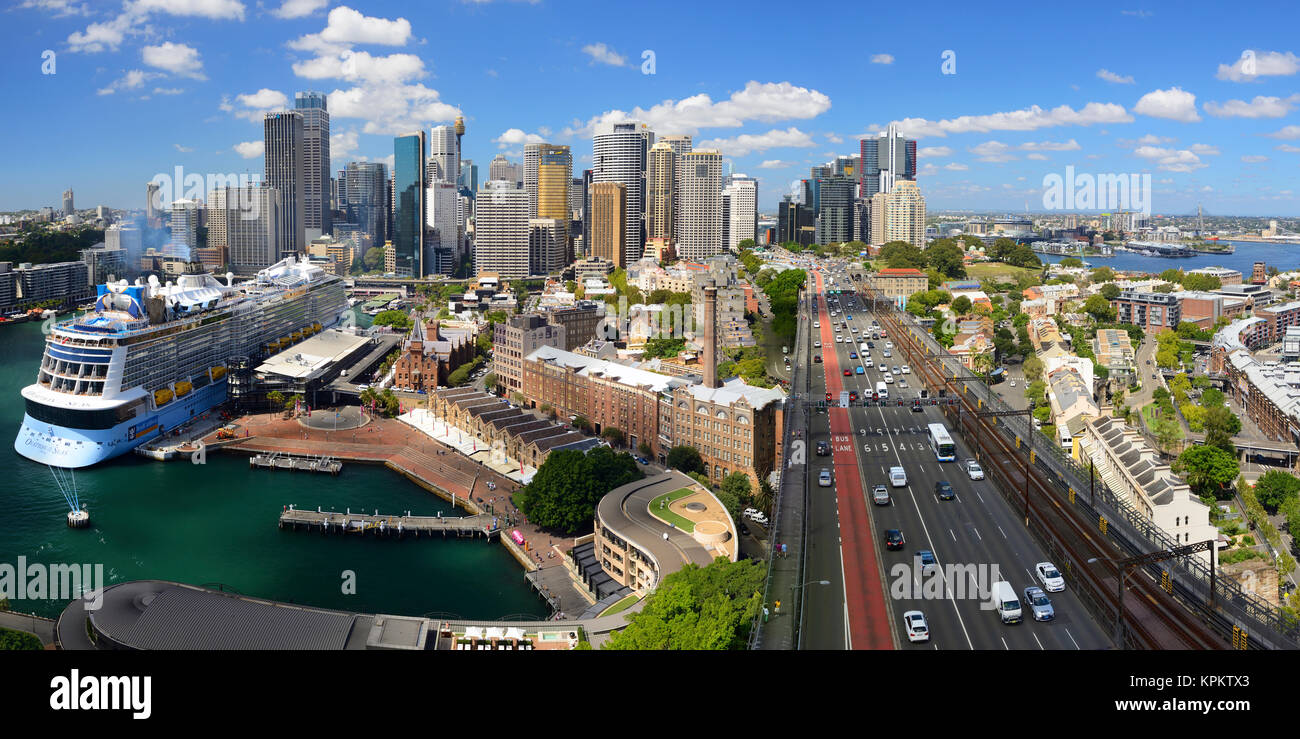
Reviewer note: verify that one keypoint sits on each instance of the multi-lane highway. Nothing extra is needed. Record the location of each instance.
(977, 537)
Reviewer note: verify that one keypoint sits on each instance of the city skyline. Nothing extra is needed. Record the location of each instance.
(189, 85)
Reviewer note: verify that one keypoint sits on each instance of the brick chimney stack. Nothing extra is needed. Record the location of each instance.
(710, 354)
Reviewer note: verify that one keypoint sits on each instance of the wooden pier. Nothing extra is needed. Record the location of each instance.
(278, 461)
(333, 522)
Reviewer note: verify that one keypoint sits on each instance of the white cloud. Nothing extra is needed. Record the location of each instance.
(1268, 63)
(927, 170)
(956, 167)
(342, 145)
(1262, 106)
(391, 109)
(178, 59)
(882, 59)
(168, 90)
(101, 36)
(992, 151)
(1171, 160)
(60, 8)
(132, 80)
(253, 106)
(739, 146)
(834, 139)
(214, 9)
(1205, 149)
(600, 53)
(1286, 132)
(299, 9)
(1070, 145)
(1148, 140)
(1175, 104)
(250, 149)
(758, 101)
(933, 151)
(133, 20)
(1028, 119)
(1110, 76)
(1288, 148)
(775, 164)
(517, 137)
(1254, 158)
(356, 66)
(1036, 156)
(183, 149)
(345, 26)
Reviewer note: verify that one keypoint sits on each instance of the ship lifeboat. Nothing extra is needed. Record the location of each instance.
(316, 327)
(162, 397)
(296, 336)
(286, 341)
(217, 373)
(183, 387)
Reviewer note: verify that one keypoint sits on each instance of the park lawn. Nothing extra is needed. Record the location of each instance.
(621, 606)
(998, 271)
(1149, 414)
(667, 515)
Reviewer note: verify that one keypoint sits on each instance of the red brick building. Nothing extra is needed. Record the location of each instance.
(430, 354)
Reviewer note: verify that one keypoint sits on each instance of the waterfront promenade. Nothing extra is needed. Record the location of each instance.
(429, 464)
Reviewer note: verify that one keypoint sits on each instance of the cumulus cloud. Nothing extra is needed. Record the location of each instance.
(1266, 64)
(1171, 160)
(882, 59)
(1070, 145)
(1175, 104)
(758, 101)
(60, 8)
(345, 27)
(168, 90)
(775, 164)
(1036, 156)
(250, 149)
(132, 80)
(109, 35)
(602, 54)
(992, 151)
(1027, 119)
(933, 151)
(253, 106)
(391, 109)
(1262, 106)
(1254, 158)
(342, 145)
(1110, 76)
(956, 167)
(517, 137)
(359, 66)
(1205, 149)
(183, 149)
(1287, 148)
(1286, 132)
(747, 143)
(178, 59)
(299, 9)
(213, 9)
(1148, 140)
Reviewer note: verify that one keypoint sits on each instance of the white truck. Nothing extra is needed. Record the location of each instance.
(1005, 602)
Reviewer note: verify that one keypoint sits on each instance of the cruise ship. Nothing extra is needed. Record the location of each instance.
(150, 357)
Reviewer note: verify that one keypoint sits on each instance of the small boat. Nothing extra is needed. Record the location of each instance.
(183, 387)
(162, 397)
(217, 373)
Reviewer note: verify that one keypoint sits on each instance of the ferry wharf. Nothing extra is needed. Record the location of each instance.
(348, 522)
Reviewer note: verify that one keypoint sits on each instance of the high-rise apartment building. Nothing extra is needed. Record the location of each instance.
(468, 176)
(886, 159)
(532, 154)
(742, 210)
(501, 229)
(546, 245)
(660, 191)
(836, 211)
(699, 234)
(899, 215)
(68, 208)
(444, 154)
(619, 155)
(315, 162)
(795, 222)
(185, 223)
(680, 145)
(607, 225)
(249, 218)
(286, 172)
(408, 204)
(442, 235)
(504, 170)
(367, 205)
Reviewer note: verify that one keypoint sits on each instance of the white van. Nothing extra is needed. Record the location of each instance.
(1005, 601)
(864, 348)
(881, 391)
(898, 478)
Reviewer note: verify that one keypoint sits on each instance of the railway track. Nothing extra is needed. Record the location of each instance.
(1152, 618)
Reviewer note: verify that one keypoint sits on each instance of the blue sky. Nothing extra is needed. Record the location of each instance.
(143, 86)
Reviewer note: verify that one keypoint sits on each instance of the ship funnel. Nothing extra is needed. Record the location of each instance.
(230, 279)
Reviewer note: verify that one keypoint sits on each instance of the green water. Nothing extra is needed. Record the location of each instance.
(216, 523)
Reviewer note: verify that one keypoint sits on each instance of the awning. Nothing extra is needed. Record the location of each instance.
(495, 632)
(473, 632)
(514, 632)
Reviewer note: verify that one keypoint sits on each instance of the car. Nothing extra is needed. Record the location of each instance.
(889, 379)
(1039, 605)
(749, 512)
(887, 354)
(847, 373)
(882, 368)
(363, 386)
(894, 539)
(824, 478)
(895, 371)
(943, 489)
(880, 495)
(871, 345)
(817, 345)
(642, 460)
(823, 448)
(858, 370)
(907, 370)
(817, 324)
(888, 344)
(853, 355)
(839, 339)
(1012, 383)
(928, 565)
(973, 470)
(897, 477)
(1154, 375)
(817, 359)
(854, 329)
(1050, 577)
(917, 629)
(916, 406)
(902, 383)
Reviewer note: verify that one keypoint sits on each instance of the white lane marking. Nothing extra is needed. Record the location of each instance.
(1004, 644)
(981, 497)
(977, 533)
(1040, 644)
(954, 536)
(1076, 644)
(1004, 534)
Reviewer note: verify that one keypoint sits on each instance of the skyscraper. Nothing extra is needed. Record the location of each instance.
(546, 247)
(699, 235)
(504, 170)
(185, 223)
(444, 153)
(607, 226)
(468, 176)
(619, 155)
(532, 154)
(886, 159)
(835, 214)
(151, 201)
(742, 216)
(249, 219)
(316, 216)
(680, 145)
(660, 201)
(501, 229)
(899, 215)
(67, 203)
(367, 188)
(408, 203)
(285, 172)
(554, 175)
(442, 247)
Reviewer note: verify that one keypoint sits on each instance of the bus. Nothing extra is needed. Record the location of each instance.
(941, 443)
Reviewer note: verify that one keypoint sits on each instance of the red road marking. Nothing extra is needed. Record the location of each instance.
(864, 590)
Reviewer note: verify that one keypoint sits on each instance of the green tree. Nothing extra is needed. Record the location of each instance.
(947, 257)
(1275, 489)
(1220, 425)
(490, 380)
(1207, 469)
(1033, 368)
(12, 640)
(276, 399)
(1099, 308)
(614, 435)
(582, 424)
(374, 258)
(685, 459)
(1110, 291)
(397, 319)
(697, 608)
(564, 492)
(735, 491)
(901, 254)
(1069, 262)
(961, 306)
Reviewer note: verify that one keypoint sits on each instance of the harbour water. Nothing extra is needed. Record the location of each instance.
(216, 523)
(1283, 256)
